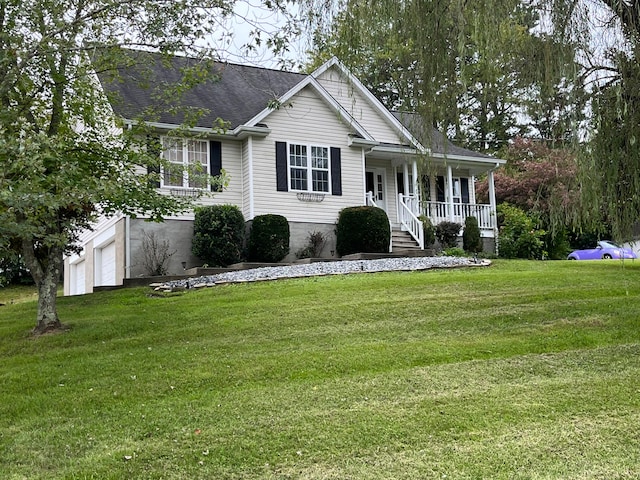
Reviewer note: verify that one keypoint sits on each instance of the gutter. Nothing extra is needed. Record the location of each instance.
(240, 132)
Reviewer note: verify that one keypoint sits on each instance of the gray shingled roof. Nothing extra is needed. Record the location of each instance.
(234, 93)
(434, 140)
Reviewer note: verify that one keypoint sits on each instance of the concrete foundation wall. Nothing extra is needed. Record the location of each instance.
(177, 234)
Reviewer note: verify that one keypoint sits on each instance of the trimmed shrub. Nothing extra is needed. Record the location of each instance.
(471, 239)
(218, 234)
(519, 237)
(269, 238)
(447, 234)
(429, 231)
(362, 230)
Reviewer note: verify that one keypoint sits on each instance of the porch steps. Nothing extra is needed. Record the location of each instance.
(403, 242)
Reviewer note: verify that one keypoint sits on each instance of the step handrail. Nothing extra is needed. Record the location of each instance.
(410, 220)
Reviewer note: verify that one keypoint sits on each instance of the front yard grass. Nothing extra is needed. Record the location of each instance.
(524, 370)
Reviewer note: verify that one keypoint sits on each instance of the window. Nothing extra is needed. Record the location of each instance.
(309, 168)
(187, 163)
(457, 190)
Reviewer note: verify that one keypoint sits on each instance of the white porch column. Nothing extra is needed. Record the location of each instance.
(449, 198)
(492, 200)
(405, 178)
(416, 185)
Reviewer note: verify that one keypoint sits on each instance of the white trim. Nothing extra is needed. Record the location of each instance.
(127, 247)
(374, 102)
(105, 237)
(309, 168)
(240, 132)
(364, 177)
(383, 188)
(250, 173)
(184, 144)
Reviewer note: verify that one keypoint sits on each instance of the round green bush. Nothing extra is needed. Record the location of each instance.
(447, 233)
(362, 230)
(269, 238)
(218, 234)
(471, 239)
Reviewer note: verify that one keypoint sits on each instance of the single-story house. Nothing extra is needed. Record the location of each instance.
(303, 146)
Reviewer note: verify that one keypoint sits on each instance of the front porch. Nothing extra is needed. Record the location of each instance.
(445, 194)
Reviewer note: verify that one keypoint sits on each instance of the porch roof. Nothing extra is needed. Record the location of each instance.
(441, 147)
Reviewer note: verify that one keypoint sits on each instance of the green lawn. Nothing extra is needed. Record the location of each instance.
(524, 370)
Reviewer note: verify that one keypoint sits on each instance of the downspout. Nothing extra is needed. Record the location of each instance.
(127, 247)
(364, 174)
(250, 173)
(127, 239)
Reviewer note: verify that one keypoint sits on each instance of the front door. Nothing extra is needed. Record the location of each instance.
(376, 183)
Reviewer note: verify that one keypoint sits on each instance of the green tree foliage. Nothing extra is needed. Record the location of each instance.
(553, 60)
(541, 181)
(62, 161)
(519, 235)
(478, 71)
(218, 234)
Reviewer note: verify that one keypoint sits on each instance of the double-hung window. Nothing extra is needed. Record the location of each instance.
(309, 168)
(187, 163)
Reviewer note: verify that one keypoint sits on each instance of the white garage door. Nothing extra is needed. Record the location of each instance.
(77, 278)
(107, 265)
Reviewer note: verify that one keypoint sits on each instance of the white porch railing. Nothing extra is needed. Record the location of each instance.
(370, 201)
(439, 212)
(408, 210)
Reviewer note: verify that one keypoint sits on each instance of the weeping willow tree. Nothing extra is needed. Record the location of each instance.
(564, 71)
(482, 72)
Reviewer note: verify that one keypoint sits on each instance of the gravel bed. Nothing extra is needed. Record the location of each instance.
(322, 268)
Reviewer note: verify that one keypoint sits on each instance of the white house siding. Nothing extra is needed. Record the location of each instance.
(309, 121)
(232, 164)
(371, 119)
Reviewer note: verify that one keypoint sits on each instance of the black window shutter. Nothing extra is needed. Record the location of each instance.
(440, 189)
(464, 186)
(281, 167)
(154, 148)
(336, 171)
(215, 162)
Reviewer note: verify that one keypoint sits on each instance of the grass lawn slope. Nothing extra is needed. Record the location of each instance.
(524, 370)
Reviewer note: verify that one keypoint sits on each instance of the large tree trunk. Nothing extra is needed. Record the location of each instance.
(45, 267)
(47, 308)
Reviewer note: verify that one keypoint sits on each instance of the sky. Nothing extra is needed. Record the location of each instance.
(249, 16)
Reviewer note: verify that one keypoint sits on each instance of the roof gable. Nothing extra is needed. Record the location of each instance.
(358, 92)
